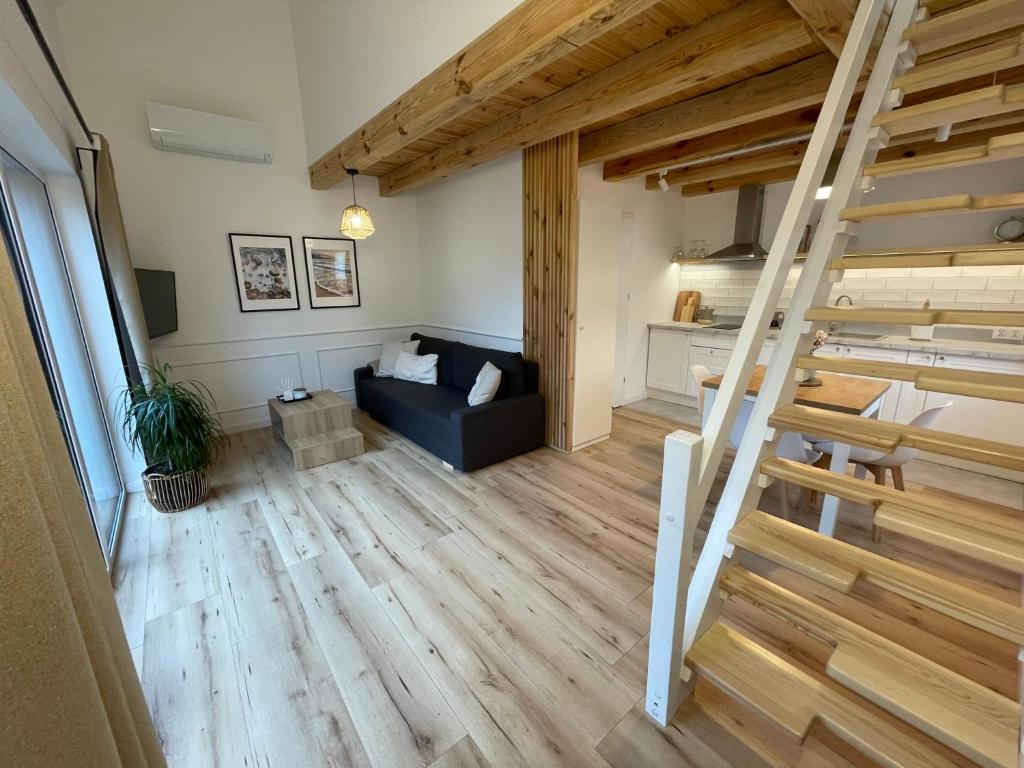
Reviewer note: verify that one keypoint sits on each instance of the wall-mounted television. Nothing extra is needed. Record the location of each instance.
(159, 301)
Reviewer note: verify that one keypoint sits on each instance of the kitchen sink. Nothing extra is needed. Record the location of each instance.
(855, 335)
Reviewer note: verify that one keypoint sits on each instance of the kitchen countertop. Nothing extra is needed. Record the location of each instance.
(986, 349)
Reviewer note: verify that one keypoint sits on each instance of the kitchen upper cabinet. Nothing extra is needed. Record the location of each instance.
(668, 360)
(976, 417)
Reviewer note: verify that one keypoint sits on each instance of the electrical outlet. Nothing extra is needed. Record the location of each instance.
(1013, 334)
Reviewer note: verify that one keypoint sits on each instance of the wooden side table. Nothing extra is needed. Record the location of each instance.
(318, 430)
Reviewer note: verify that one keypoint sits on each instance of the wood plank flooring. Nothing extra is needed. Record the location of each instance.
(382, 612)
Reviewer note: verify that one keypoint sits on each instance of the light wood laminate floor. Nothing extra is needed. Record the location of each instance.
(383, 612)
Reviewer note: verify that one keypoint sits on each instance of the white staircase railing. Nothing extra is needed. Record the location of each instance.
(683, 607)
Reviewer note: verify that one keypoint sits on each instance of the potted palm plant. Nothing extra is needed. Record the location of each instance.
(174, 424)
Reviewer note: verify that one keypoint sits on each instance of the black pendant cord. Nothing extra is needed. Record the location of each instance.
(30, 19)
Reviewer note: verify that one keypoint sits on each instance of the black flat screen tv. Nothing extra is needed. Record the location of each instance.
(159, 301)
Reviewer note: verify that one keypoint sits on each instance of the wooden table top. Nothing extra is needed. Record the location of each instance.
(845, 394)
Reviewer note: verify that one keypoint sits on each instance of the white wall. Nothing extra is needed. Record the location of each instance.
(728, 287)
(356, 57)
(658, 227)
(471, 252)
(233, 57)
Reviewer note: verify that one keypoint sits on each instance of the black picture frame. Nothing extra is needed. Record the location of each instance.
(283, 304)
(320, 302)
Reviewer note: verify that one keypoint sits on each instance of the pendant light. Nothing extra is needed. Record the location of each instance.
(355, 220)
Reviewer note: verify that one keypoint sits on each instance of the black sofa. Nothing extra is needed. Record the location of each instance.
(438, 417)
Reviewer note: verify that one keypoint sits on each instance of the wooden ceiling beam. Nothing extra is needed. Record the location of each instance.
(796, 86)
(535, 34)
(830, 20)
(735, 182)
(740, 165)
(719, 45)
(735, 139)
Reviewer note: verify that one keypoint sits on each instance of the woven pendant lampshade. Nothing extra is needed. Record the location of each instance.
(355, 220)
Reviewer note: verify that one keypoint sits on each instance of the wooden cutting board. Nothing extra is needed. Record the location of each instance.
(687, 304)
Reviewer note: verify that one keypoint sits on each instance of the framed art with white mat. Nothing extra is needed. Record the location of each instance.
(331, 272)
(264, 272)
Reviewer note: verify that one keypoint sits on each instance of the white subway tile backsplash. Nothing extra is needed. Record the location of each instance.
(960, 283)
(908, 282)
(1005, 270)
(931, 295)
(900, 272)
(937, 271)
(985, 297)
(885, 295)
(1006, 283)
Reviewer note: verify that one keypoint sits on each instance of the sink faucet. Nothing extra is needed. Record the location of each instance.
(839, 303)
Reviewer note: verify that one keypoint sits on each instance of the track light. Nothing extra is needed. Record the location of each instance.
(662, 182)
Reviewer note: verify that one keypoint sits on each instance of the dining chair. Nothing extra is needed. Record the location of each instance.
(877, 462)
(793, 448)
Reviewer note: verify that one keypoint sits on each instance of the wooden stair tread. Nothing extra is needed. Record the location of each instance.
(1007, 147)
(887, 436)
(952, 709)
(961, 107)
(934, 206)
(910, 316)
(794, 700)
(973, 529)
(962, 25)
(1006, 387)
(828, 560)
(987, 254)
(982, 60)
(999, 542)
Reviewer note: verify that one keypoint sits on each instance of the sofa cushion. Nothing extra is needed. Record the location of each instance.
(469, 360)
(431, 345)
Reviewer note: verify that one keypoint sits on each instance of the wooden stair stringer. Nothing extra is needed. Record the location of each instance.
(794, 700)
(957, 712)
(832, 562)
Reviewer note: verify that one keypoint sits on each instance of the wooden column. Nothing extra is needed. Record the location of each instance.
(550, 235)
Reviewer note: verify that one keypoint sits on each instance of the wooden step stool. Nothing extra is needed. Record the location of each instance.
(318, 430)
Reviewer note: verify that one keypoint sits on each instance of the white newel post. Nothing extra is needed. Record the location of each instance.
(677, 524)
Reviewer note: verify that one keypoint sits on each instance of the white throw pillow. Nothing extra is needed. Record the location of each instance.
(419, 368)
(389, 354)
(486, 386)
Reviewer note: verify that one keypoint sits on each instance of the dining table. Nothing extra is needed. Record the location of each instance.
(854, 395)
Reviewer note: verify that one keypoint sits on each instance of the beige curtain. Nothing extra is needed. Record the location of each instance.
(69, 694)
(114, 242)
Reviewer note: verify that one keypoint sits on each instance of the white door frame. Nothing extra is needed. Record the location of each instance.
(623, 307)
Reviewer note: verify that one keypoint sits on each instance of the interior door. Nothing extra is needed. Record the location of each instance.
(34, 244)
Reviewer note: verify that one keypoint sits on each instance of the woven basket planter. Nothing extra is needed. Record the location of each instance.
(173, 493)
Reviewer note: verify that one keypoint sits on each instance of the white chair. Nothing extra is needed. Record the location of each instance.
(877, 462)
(792, 447)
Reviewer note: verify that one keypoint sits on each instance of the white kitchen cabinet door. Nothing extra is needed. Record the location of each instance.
(975, 417)
(890, 400)
(715, 360)
(668, 363)
(911, 401)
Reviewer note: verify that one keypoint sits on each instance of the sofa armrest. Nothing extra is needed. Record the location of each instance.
(494, 431)
(366, 372)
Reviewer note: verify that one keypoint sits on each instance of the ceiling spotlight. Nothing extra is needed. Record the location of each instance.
(662, 182)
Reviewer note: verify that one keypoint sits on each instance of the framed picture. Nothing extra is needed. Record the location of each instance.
(264, 272)
(332, 272)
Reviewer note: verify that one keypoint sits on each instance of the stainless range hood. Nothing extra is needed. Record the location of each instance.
(746, 243)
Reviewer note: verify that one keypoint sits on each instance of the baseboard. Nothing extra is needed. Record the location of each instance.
(589, 443)
(671, 397)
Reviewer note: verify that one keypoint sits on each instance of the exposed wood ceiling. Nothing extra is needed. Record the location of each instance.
(649, 84)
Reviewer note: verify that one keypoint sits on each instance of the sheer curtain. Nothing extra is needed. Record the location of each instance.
(69, 694)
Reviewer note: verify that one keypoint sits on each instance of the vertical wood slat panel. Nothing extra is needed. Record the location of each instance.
(550, 240)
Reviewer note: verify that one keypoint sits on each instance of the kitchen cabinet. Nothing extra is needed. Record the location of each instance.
(911, 399)
(668, 360)
(975, 417)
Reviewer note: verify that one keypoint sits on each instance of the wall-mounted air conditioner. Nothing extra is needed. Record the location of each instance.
(201, 133)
